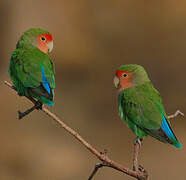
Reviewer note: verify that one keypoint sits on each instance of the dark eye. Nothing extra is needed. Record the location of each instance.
(125, 75)
(43, 38)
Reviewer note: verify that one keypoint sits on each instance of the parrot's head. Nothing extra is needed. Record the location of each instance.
(130, 75)
(38, 38)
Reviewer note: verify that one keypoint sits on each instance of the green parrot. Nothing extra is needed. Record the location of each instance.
(31, 68)
(140, 105)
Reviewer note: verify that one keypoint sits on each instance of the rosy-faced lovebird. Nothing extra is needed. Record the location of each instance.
(31, 68)
(140, 105)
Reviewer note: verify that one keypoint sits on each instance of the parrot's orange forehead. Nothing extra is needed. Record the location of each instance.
(125, 79)
(120, 73)
(47, 36)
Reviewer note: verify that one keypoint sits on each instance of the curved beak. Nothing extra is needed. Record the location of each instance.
(116, 82)
(50, 46)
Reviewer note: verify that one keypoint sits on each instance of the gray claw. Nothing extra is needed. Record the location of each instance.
(138, 140)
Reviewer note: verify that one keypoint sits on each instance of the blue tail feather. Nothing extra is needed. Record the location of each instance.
(47, 101)
(166, 128)
(178, 145)
(50, 103)
(45, 82)
(168, 131)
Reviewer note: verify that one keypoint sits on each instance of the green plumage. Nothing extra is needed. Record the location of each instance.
(25, 68)
(140, 106)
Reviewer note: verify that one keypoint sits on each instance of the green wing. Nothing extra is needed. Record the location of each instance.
(25, 70)
(141, 108)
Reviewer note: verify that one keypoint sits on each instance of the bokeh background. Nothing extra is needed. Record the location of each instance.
(93, 38)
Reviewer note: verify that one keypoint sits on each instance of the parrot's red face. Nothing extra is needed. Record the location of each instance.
(45, 43)
(123, 79)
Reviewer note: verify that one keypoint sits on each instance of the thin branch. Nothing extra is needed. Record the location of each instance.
(104, 164)
(97, 167)
(178, 112)
(102, 157)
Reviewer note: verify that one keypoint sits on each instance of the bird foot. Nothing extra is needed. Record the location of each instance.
(138, 140)
(140, 169)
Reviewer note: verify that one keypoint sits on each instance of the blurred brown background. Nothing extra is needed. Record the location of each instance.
(92, 38)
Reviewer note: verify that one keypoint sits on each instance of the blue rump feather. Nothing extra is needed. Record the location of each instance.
(45, 82)
(166, 128)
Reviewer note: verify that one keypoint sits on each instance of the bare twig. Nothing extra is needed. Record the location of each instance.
(176, 114)
(106, 161)
(97, 167)
(104, 164)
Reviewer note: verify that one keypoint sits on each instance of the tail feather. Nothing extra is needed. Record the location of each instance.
(45, 82)
(170, 134)
(42, 95)
(47, 101)
(177, 144)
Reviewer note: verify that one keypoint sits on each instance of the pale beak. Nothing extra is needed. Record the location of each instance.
(50, 46)
(116, 82)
